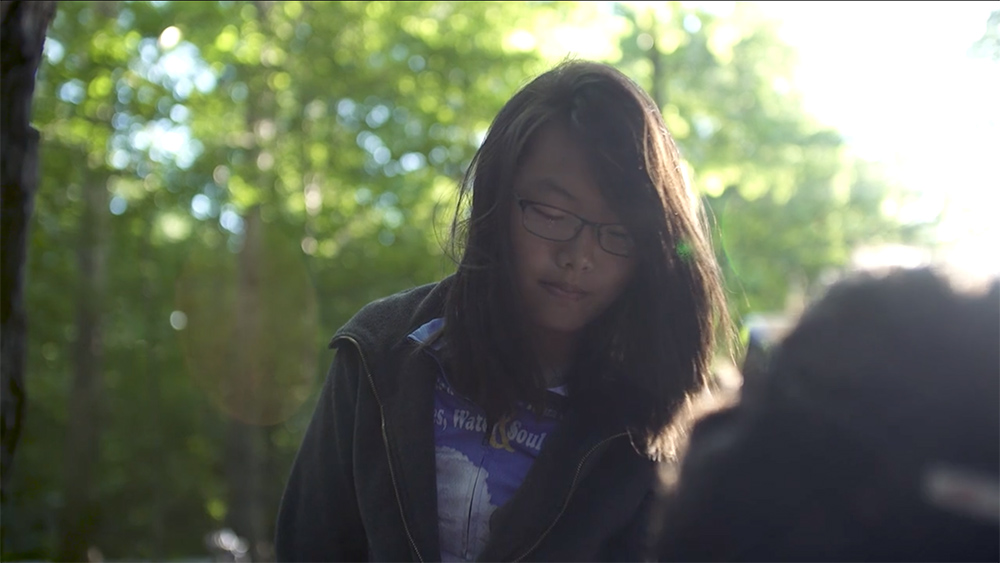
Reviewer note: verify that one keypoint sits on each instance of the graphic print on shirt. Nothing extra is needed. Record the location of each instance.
(460, 479)
(478, 470)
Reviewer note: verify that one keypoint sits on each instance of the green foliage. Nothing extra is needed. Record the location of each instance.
(272, 166)
(788, 200)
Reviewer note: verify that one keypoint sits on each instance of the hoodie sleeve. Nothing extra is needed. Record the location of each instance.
(319, 519)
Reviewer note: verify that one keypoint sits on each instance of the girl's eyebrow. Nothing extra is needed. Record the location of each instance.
(550, 185)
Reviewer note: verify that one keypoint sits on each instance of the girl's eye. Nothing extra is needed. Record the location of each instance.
(550, 213)
(618, 233)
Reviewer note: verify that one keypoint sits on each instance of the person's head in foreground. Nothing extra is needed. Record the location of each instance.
(875, 436)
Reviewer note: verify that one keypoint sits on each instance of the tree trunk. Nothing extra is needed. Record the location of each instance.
(245, 515)
(151, 367)
(244, 444)
(22, 36)
(79, 515)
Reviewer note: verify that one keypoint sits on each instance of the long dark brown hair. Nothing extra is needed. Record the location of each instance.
(652, 349)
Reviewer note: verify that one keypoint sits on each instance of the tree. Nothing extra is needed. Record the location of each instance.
(23, 32)
(86, 407)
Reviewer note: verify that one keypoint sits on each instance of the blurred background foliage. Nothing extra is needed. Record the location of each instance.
(224, 183)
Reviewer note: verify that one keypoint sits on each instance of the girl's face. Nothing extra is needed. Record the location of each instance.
(565, 283)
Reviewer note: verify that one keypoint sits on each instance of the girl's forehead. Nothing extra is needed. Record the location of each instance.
(552, 187)
(559, 169)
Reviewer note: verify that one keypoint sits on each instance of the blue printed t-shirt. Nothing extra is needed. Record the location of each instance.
(477, 473)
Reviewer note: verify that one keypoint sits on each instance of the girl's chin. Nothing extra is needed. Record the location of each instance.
(559, 328)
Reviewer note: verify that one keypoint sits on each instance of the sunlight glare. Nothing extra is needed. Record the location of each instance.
(521, 40)
(936, 137)
(178, 320)
(169, 38)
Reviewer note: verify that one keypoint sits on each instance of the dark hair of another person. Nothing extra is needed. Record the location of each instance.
(875, 436)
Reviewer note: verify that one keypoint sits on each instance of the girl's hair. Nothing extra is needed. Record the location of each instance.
(653, 347)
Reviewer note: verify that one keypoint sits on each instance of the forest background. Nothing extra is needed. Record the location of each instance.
(223, 184)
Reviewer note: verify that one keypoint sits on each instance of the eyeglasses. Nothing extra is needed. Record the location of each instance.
(553, 223)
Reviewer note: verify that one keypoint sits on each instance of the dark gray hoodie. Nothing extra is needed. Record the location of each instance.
(363, 484)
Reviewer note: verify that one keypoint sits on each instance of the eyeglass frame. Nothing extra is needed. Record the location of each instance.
(523, 203)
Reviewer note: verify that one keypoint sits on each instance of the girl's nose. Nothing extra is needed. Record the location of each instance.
(578, 252)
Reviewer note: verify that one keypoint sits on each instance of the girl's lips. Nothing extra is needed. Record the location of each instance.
(564, 291)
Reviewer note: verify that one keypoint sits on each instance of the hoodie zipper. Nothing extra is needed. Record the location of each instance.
(569, 495)
(385, 441)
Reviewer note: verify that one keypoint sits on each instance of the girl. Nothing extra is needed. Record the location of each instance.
(518, 409)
